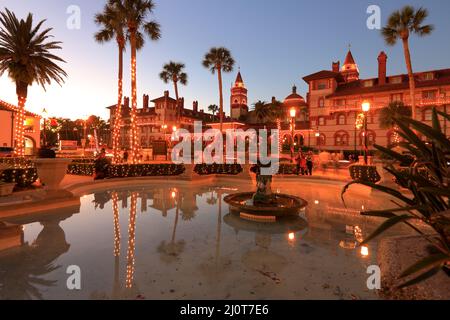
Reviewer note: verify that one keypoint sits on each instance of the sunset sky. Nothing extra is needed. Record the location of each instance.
(275, 43)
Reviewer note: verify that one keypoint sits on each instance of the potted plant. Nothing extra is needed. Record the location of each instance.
(51, 170)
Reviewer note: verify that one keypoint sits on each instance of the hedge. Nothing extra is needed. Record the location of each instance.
(207, 169)
(23, 177)
(128, 170)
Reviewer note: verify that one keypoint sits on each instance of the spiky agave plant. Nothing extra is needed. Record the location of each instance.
(427, 178)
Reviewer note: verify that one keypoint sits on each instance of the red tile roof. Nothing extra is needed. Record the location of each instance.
(324, 74)
(10, 107)
(442, 77)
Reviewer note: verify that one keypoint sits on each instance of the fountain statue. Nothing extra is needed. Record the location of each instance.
(264, 204)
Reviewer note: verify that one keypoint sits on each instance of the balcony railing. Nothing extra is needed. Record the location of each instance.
(434, 101)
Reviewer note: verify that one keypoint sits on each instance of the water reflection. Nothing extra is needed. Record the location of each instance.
(24, 267)
(181, 234)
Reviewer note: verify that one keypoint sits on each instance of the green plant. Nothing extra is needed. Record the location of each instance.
(427, 178)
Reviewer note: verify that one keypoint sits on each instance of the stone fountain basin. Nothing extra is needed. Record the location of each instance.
(286, 205)
(282, 226)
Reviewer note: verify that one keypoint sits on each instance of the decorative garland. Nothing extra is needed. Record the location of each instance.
(207, 169)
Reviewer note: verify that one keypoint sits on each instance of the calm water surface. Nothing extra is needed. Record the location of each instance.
(173, 241)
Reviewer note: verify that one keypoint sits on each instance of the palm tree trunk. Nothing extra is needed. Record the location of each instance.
(134, 133)
(219, 75)
(19, 149)
(118, 113)
(412, 83)
(175, 85)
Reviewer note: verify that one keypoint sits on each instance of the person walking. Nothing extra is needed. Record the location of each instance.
(303, 166)
(298, 160)
(309, 163)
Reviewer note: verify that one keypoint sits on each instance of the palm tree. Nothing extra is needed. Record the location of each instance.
(135, 13)
(25, 55)
(262, 111)
(113, 26)
(213, 109)
(218, 60)
(401, 24)
(388, 113)
(173, 71)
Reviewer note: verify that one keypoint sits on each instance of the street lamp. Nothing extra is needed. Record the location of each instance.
(292, 113)
(44, 117)
(365, 108)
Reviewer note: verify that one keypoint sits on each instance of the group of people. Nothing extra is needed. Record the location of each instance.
(304, 163)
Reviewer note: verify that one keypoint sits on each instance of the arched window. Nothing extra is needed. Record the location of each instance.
(341, 138)
(371, 138)
(341, 119)
(321, 102)
(321, 140)
(427, 115)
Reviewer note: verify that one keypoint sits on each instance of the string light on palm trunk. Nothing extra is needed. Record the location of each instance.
(134, 133)
(19, 137)
(117, 125)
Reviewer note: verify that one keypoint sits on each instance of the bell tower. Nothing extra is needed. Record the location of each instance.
(238, 101)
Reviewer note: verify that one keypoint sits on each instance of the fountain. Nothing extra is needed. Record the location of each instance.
(263, 205)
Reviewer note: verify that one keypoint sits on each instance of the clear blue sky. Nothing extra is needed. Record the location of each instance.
(275, 43)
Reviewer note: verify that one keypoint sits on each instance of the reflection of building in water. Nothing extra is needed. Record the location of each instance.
(163, 201)
(131, 241)
(11, 236)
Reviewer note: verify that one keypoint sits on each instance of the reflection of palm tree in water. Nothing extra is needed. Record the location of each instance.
(22, 271)
(131, 241)
(170, 251)
(116, 287)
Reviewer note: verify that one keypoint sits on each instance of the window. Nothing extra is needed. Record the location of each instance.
(427, 115)
(428, 76)
(321, 103)
(322, 85)
(397, 97)
(341, 119)
(371, 138)
(395, 80)
(368, 83)
(321, 121)
(429, 94)
(341, 138)
(321, 140)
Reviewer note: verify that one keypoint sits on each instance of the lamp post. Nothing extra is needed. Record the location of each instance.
(44, 117)
(365, 108)
(292, 113)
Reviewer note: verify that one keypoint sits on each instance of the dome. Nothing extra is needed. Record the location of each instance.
(294, 99)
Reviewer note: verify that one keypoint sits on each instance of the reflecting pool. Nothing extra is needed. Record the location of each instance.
(175, 241)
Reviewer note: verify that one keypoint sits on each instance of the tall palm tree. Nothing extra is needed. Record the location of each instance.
(218, 60)
(213, 109)
(173, 71)
(394, 109)
(113, 26)
(25, 55)
(136, 13)
(401, 24)
(262, 111)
